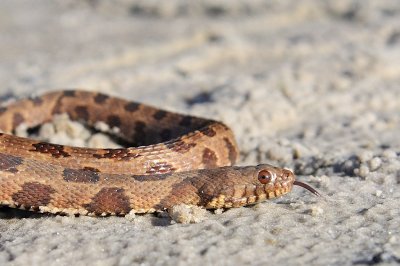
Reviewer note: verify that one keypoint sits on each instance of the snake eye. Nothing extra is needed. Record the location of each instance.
(265, 176)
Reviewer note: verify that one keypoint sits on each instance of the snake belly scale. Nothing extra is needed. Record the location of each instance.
(175, 159)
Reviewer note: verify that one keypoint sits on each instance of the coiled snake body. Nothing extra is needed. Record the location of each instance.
(177, 159)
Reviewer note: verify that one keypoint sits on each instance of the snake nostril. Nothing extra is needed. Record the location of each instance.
(286, 174)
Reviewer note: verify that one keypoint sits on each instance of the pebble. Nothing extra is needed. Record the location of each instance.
(374, 163)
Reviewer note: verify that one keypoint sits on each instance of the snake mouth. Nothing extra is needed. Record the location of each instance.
(256, 194)
(306, 186)
(259, 197)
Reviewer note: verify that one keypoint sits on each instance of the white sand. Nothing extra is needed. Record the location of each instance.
(310, 85)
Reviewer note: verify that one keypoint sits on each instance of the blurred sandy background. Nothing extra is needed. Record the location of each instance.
(309, 85)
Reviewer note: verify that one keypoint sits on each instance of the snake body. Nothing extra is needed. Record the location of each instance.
(174, 159)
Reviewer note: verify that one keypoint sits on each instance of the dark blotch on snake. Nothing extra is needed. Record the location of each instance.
(113, 121)
(109, 200)
(132, 107)
(139, 137)
(191, 190)
(186, 121)
(86, 175)
(208, 131)
(100, 98)
(69, 93)
(209, 158)
(17, 119)
(33, 195)
(165, 134)
(9, 162)
(232, 153)
(180, 146)
(55, 150)
(118, 154)
(160, 114)
(181, 191)
(82, 112)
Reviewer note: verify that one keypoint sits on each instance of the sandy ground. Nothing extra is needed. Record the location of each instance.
(309, 85)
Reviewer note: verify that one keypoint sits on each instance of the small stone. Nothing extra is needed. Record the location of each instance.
(365, 156)
(374, 163)
(279, 154)
(47, 130)
(270, 241)
(316, 211)
(101, 126)
(300, 150)
(101, 141)
(185, 214)
(390, 154)
(22, 130)
(131, 215)
(73, 129)
(363, 171)
(218, 211)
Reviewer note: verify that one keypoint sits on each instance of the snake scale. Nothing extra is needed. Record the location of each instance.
(174, 159)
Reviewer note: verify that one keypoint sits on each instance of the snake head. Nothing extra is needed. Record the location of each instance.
(253, 184)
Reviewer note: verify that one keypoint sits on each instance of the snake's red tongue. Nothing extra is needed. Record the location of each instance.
(308, 187)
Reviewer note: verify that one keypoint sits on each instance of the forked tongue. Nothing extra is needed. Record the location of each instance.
(308, 187)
